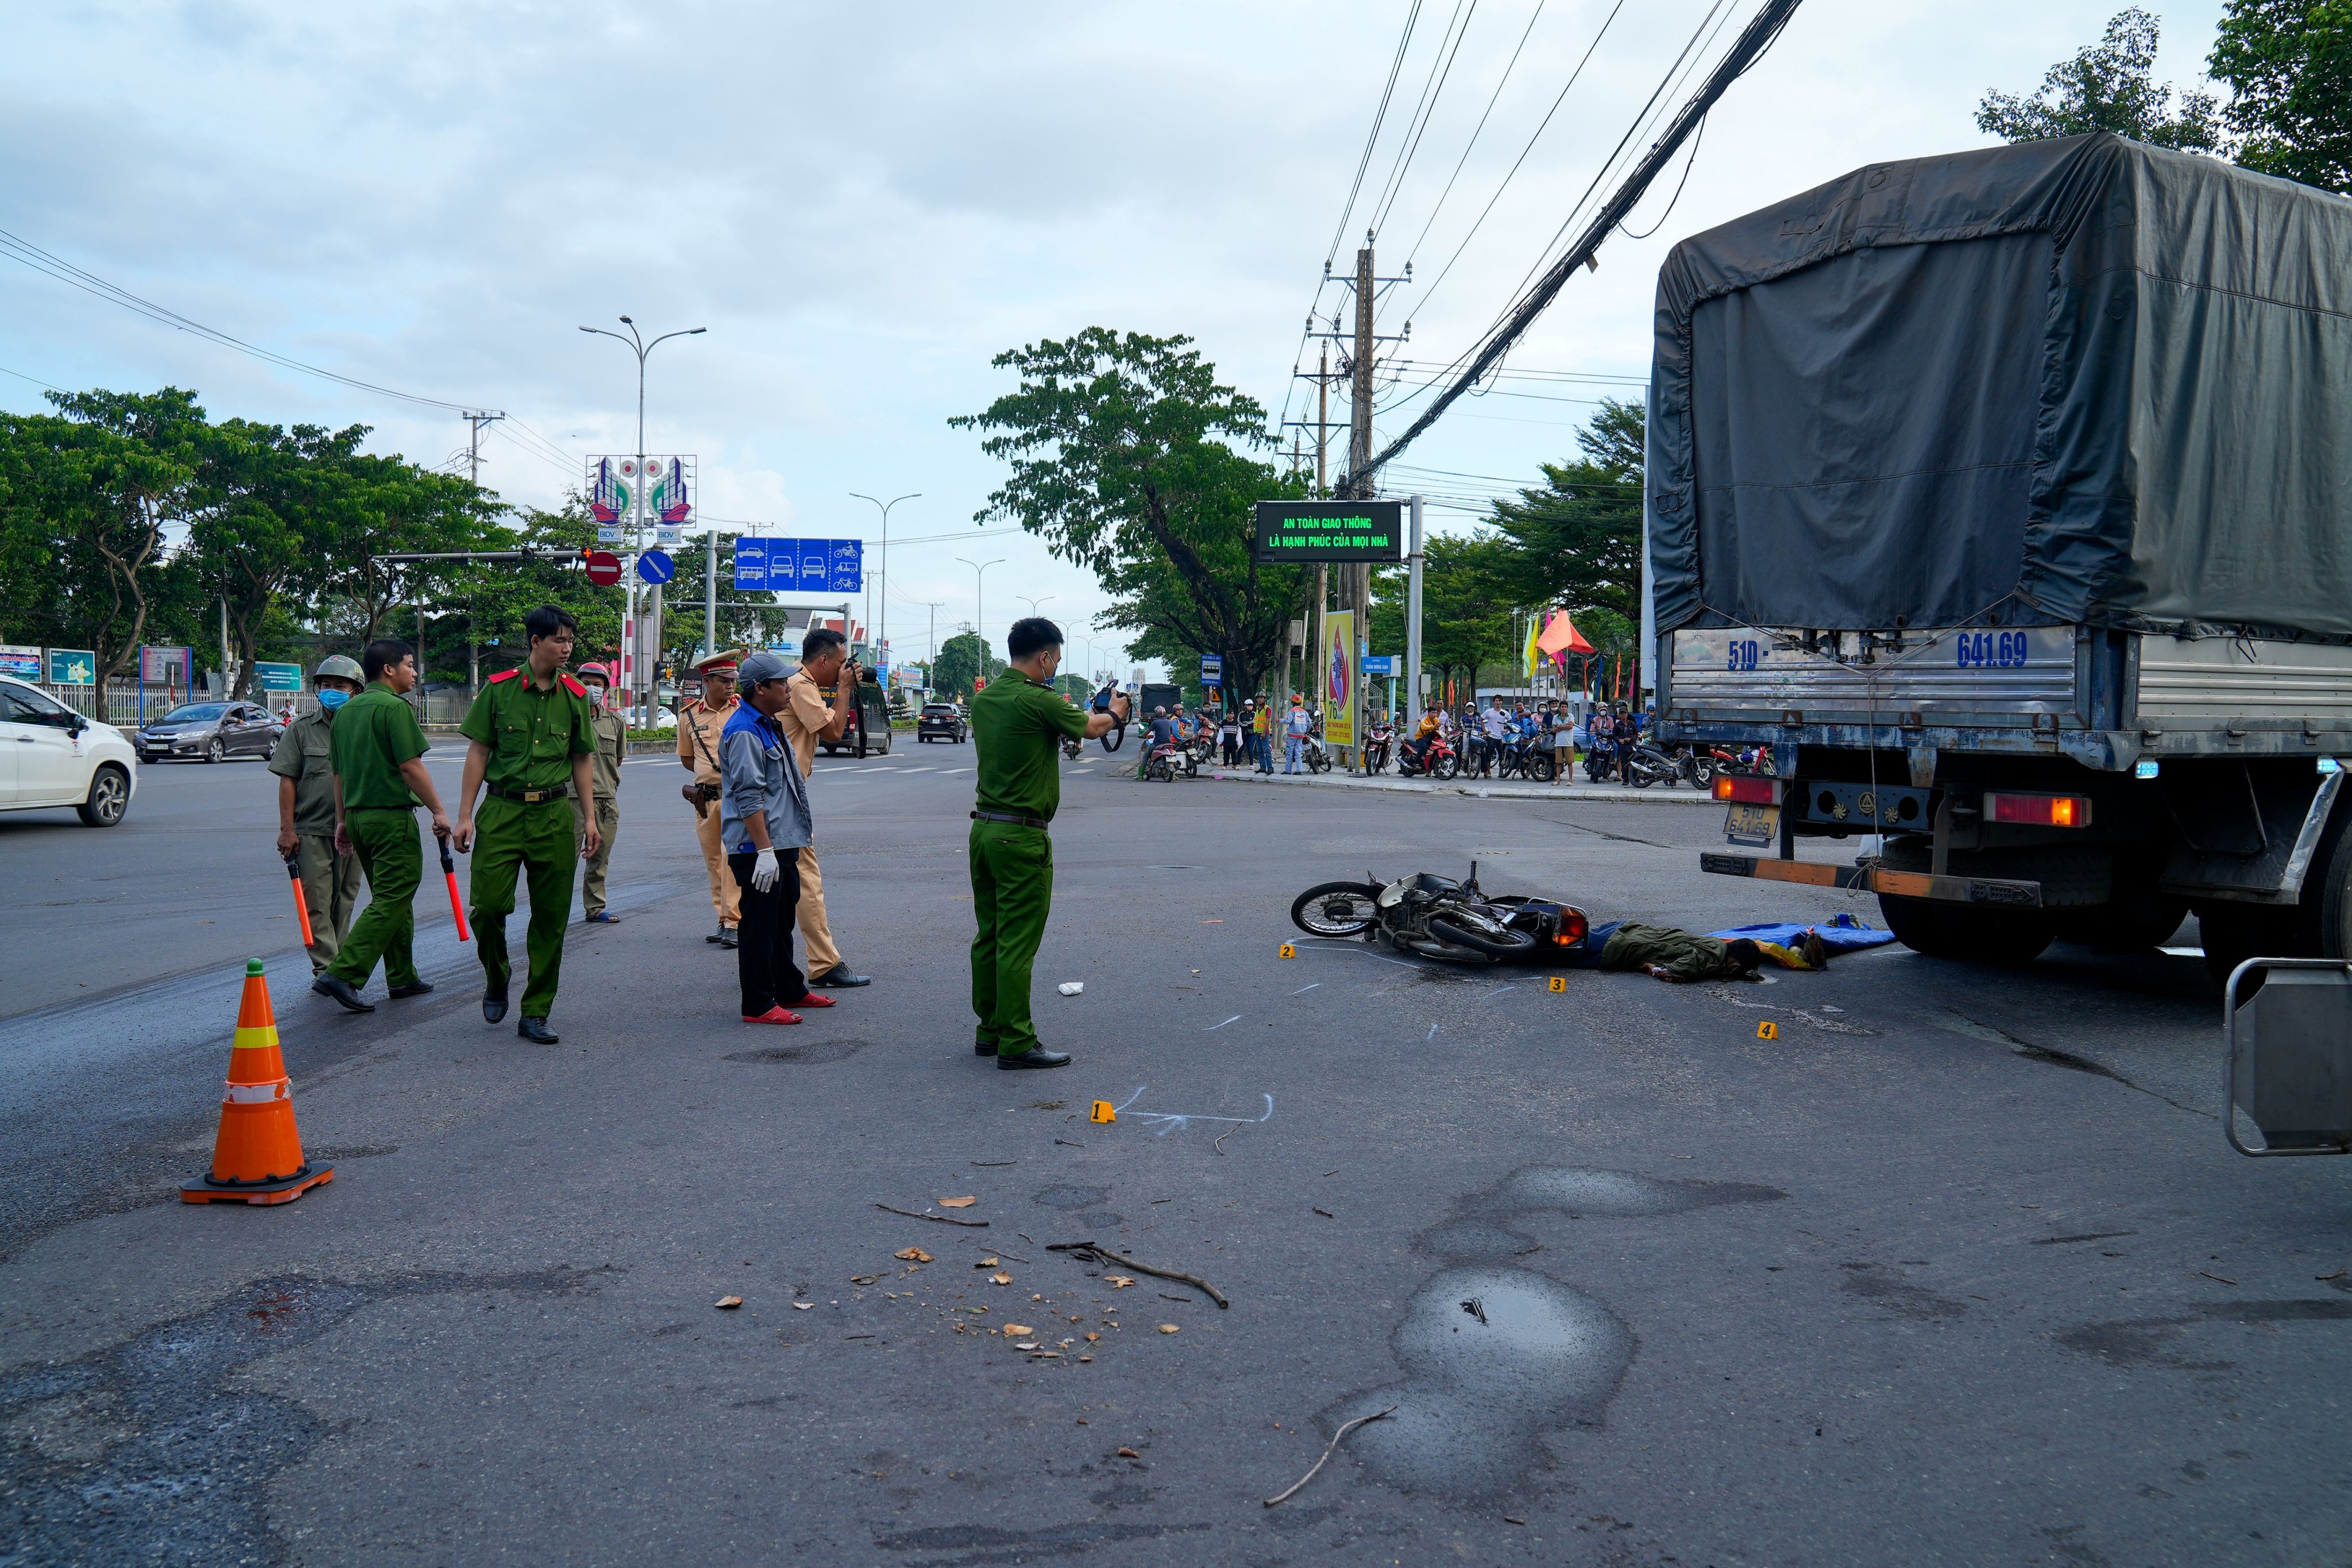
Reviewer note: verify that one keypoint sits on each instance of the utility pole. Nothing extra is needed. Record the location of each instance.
(475, 423)
(878, 594)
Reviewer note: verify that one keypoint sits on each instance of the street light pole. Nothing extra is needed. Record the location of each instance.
(980, 624)
(1033, 604)
(637, 345)
(882, 621)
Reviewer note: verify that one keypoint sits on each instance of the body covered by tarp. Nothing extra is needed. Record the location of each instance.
(2082, 380)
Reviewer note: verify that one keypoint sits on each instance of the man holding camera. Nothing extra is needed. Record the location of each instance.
(1018, 723)
(806, 719)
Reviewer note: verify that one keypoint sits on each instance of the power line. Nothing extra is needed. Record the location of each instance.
(1754, 40)
(1440, 67)
(36, 380)
(1412, 17)
(1697, 137)
(1475, 133)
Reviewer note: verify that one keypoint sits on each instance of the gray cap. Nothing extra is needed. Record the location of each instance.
(758, 666)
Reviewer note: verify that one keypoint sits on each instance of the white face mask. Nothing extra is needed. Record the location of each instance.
(595, 694)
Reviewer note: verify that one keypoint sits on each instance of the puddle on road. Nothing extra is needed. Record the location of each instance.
(1495, 1355)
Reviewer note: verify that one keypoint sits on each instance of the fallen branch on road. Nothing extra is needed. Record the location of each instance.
(942, 1219)
(1097, 1252)
(1342, 1432)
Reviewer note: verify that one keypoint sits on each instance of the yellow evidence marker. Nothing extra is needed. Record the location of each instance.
(1559, 983)
(1102, 1110)
(1287, 950)
(1767, 1030)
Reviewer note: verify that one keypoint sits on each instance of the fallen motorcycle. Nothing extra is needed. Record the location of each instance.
(1434, 917)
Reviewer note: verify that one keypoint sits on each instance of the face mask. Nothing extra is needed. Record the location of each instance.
(332, 699)
(596, 695)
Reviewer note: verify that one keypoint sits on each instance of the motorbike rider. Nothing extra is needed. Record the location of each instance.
(1424, 734)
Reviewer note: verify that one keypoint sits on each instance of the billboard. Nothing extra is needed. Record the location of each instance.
(73, 667)
(167, 666)
(801, 565)
(20, 660)
(663, 488)
(1314, 531)
(1334, 678)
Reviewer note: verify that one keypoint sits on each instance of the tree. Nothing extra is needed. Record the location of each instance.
(1124, 459)
(2289, 67)
(1467, 606)
(498, 595)
(1577, 540)
(2106, 87)
(963, 657)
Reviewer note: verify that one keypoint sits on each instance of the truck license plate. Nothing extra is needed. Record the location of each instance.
(1749, 823)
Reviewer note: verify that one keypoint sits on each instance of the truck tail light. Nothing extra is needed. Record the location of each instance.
(1746, 787)
(2039, 810)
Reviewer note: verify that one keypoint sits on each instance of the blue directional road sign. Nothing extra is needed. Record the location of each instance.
(801, 565)
(655, 566)
(1380, 664)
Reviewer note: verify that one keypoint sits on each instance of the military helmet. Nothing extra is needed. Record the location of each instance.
(341, 667)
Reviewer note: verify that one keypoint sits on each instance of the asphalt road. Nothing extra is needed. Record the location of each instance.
(1958, 1269)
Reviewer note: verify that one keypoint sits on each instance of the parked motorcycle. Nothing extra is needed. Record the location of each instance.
(1647, 766)
(1529, 756)
(1163, 763)
(1378, 746)
(1440, 761)
(1434, 917)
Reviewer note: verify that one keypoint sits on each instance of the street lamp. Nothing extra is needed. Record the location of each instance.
(1033, 604)
(882, 622)
(636, 344)
(978, 626)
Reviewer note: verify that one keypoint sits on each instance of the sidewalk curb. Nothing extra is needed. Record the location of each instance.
(1665, 795)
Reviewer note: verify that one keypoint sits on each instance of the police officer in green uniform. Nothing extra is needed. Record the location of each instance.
(378, 750)
(1018, 723)
(306, 811)
(532, 735)
(612, 750)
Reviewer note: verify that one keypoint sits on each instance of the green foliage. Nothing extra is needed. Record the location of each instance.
(1577, 540)
(963, 657)
(2106, 87)
(1123, 456)
(1467, 600)
(496, 596)
(2289, 67)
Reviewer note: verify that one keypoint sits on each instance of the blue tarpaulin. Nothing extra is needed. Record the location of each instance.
(1840, 933)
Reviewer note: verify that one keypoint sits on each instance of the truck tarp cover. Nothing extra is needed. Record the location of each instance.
(2066, 381)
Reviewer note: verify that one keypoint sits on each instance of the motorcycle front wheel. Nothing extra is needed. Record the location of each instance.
(1445, 767)
(1335, 908)
(1540, 768)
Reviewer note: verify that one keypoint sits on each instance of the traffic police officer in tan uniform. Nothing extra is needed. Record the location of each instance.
(611, 733)
(700, 726)
(306, 812)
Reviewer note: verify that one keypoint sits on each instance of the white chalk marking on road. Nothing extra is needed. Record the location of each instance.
(1214, 1027)
(1171, 1120)
(1305, 989)
(1433, 1032)
(1492, 995)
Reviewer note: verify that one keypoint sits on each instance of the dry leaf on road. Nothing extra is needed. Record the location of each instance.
(1167, 1328)
(1117, 1281)
(863, 1279)
(957, 1203)
(1129, 1454)
(728, 1301)
(1001, 1279)
(912, 1255)
(985, 1263)
(802, 1306)
(1091, 1337)
(1014, 1330)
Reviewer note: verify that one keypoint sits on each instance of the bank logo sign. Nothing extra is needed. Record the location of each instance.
(1313, 530)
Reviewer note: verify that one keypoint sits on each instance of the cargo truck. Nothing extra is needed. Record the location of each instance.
(2006, 498)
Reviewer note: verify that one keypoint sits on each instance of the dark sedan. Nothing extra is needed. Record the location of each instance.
(939, 721)
(213, 730)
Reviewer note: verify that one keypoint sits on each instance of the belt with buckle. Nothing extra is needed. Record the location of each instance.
(1013, 817)
(530, 796)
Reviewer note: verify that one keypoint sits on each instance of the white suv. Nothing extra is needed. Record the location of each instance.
(52, 756)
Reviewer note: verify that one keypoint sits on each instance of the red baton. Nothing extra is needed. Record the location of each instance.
(457, 903)
(302, 904)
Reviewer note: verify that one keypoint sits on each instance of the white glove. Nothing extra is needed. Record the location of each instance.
(764, 874)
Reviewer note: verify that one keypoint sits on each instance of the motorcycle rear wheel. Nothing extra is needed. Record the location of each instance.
(1503, 943)
(1335, 908)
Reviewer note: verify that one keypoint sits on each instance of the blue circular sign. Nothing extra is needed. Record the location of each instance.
(655, 566)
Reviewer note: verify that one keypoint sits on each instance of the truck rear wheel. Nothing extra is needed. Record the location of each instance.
(1942, 929)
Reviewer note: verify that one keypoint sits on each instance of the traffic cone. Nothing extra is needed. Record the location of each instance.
(257, 1155)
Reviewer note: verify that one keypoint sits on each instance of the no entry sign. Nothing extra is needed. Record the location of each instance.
(603, 568)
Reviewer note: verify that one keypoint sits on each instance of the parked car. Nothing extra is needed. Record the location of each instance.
(213, 730)
(52, 756)
(941, 722)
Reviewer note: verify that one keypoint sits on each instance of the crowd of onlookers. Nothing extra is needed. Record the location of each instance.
(1260, 730)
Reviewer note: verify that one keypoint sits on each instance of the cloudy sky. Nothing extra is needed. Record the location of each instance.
(864, 204)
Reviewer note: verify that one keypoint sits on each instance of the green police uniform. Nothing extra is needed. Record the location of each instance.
(525, 822)
(331, 881)
(1017, 726)
(373, 735)
(611, 735)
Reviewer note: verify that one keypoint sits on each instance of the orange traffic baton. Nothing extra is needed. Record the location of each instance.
(258, 1154)
(302, 904)
(457, 902)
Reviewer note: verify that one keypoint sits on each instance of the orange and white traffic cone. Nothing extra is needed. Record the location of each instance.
(257, 1155)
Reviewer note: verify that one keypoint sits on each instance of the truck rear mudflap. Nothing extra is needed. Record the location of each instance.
(1864, 876)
